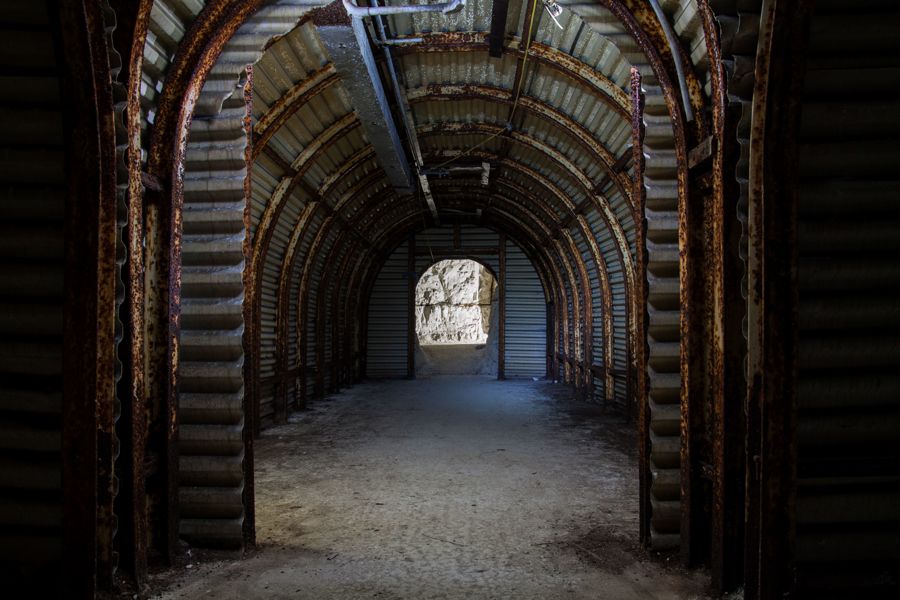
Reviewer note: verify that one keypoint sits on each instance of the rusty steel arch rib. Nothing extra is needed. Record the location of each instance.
(599, 261)
(574, 69)
(288, 105)
(550, 188)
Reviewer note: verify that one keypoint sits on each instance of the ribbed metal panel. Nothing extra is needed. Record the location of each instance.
(297, 358)
(268, 299)
(211, 446)
(663, 304)
(388, 318)
(688, 25)
(312, 317)
(211, 359)
(848, 469)
(434, 237)
(31, 294)
(526, 317)
(471, 236)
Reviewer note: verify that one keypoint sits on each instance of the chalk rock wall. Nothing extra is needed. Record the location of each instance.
(453, 303)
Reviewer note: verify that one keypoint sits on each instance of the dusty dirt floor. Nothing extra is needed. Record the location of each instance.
(446, 487)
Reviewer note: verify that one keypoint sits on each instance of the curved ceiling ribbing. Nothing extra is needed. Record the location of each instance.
(574, 74)
(300, 89)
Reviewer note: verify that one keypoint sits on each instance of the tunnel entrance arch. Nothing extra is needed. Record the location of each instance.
(456, 312)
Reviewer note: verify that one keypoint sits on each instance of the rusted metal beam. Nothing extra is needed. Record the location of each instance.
(89, 302)
(724, 342)
(702, 152)
(133, 21)
(611, 220)
(250, 404)
(287, 282)
(566, 246)
(195, 57)
(641, 352)
(773, 297)
(585, 231)
(568, 167)
(289, 103)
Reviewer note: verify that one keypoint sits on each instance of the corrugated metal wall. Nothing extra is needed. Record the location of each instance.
(31, 293)
(388, 318)
(430, 241)
(211, 387)
(526, 317)
(848, 450)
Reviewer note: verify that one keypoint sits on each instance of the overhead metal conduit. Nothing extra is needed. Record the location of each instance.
(373, 11)
(672, 39)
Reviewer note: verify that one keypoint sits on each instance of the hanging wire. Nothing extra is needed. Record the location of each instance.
(512, 113)
(425, 229)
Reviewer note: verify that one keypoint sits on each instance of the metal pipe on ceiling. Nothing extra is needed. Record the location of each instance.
(402, 103)
(675, 46)
(374, 11)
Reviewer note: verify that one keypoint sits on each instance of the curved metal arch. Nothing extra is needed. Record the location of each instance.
(194, 59)
(534, 106)
(287, 185)
(551, 188)
(606, 210)
(349, 301)
(602, 274)
(567, 287)
(289, 103)
(548, 56)
(590, 241)
(641, 22)
(567, 256)
(311, 258)
(602, 270)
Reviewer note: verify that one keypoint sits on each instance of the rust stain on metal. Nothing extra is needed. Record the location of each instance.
(330, 15)
(289, 103)
(251, 333)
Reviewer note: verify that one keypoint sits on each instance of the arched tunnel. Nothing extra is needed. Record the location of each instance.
(216, 215)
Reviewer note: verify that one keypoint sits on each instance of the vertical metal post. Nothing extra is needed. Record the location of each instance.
(773, 296)
(251, 375)
(88, 361)
(641, 399)
(726, 385)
